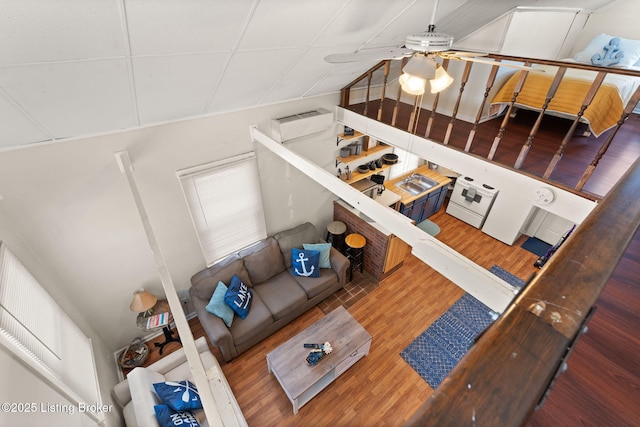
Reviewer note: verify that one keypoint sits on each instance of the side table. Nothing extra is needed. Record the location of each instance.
(147, 322)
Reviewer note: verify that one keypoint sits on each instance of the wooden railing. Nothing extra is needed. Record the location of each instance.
(381, 102)
(510, 368)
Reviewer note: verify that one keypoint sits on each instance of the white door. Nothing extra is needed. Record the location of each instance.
(552, 228)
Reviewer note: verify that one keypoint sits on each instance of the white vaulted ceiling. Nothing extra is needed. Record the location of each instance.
(78, 67)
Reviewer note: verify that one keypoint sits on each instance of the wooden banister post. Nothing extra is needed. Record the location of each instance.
(534, 130)
(463, 82)
(490, 80)
(587, 101)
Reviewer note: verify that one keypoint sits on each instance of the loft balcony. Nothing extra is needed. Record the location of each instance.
(556, 147)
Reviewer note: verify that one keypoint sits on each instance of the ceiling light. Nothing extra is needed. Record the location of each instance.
(441, 81)
(413, 85)
(416, 72)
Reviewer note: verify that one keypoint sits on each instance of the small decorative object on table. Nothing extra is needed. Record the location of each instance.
(134, 355)
(318, 352)
(348, 131)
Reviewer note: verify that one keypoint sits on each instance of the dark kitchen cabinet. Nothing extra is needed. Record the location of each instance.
(425, 206)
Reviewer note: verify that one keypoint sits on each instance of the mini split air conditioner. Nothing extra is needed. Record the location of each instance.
(303, 124)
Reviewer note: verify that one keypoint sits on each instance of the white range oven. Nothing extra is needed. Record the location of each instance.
(471, 201)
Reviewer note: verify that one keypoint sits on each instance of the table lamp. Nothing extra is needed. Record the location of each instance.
(142, 301)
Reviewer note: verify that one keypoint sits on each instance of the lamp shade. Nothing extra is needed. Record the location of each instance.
(442, 80)
(416, 72)
(421, 66)
(142, 301)
(412, 85)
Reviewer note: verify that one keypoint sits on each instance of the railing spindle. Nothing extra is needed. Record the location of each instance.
(463, 82)
(394, 116)
(534, 130)
(445, 64)
(490, 81)
(587, 101)
(366, 102)
(505, 121)
(384, 87)
(605, 146)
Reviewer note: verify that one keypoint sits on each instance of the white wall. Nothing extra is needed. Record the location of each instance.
(26, 381)
(619, 18)
(45, 406)
(67, 211)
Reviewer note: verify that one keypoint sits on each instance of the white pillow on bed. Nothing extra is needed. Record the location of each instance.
(631, 49)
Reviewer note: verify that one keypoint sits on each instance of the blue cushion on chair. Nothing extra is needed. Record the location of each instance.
(167, 417)
(305, 263)
(239, 297)
(220, 308)
(325, 252)
(179, 395)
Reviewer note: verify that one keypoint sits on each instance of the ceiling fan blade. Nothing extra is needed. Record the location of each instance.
(369, 55)
(463, 54)
(501, 64)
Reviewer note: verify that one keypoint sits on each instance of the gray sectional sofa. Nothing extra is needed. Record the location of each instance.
(278, 295)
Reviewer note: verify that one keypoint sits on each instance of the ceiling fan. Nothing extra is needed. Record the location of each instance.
(423, 49)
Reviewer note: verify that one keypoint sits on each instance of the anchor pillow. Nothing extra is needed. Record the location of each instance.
(305, 263)
(239, 297)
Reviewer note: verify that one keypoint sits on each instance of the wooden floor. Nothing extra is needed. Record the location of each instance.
(600, 388)
(381, 389)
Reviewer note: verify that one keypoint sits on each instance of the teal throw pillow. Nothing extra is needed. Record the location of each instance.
(239, 297)
(167, 417)
(305, 263)
(179, 395)
(325, 252)
(220, 308)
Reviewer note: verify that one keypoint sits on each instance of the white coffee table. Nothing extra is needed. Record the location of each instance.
(301, 382)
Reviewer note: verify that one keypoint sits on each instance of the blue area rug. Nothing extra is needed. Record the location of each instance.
(536, 246)
(438, 349)
(507, 277)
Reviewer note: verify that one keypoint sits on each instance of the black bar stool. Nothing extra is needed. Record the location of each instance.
(355, 252)
(335, 234)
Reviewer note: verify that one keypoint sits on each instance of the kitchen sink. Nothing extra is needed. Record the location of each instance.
(416, 184)
(423, 181)
(411, 187)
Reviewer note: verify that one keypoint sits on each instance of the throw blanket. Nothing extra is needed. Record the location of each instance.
(603, 113)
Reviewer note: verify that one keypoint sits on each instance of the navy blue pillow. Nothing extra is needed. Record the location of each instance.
(179, 395)
(239, 297)
(167, 417)
(305, 263)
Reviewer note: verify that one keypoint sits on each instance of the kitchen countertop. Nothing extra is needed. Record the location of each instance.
(406, 197)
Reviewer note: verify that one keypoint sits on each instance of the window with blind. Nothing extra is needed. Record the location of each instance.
(225, 203)
(36, 329)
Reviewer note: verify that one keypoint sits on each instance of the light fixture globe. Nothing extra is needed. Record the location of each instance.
(441, 81)
(413, 85)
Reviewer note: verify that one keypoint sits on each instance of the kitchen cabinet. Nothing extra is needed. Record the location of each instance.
(397, 251)
(424, 206)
